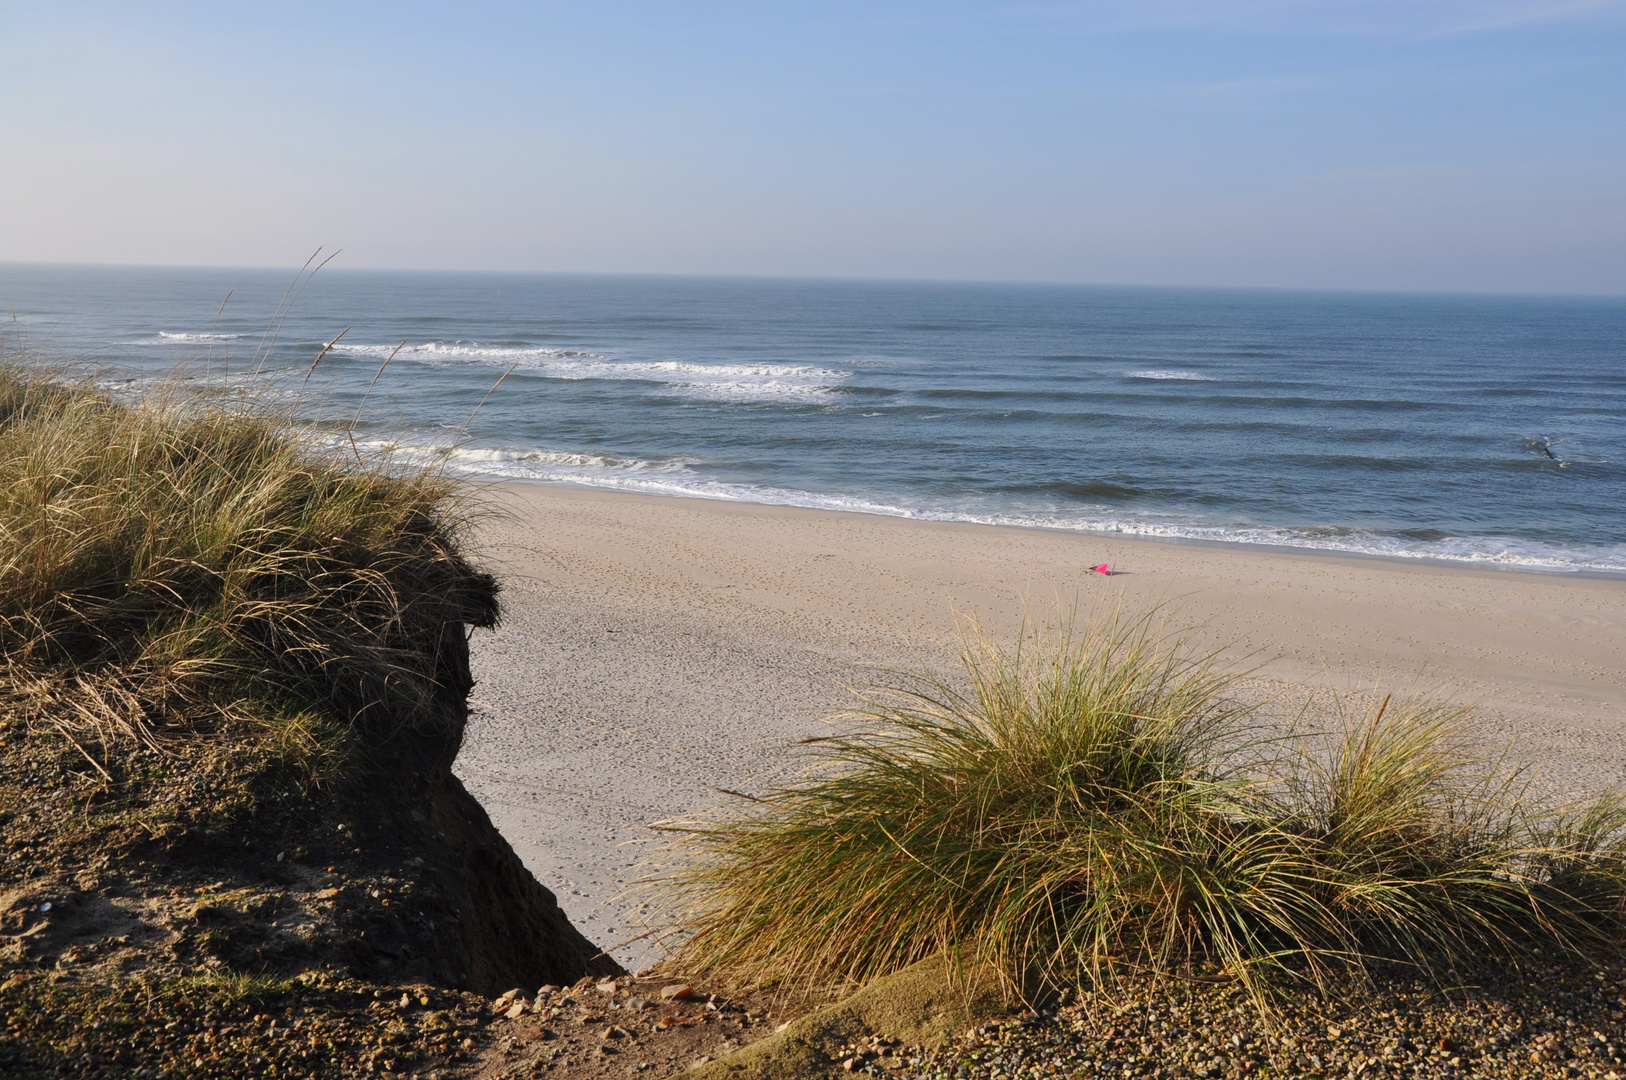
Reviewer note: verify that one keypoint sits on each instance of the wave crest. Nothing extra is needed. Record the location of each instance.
(733, 382)
(1177, 376)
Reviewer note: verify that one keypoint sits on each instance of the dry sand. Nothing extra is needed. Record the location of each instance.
(654, 650)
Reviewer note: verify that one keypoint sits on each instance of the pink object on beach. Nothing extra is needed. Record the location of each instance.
(1104, 568)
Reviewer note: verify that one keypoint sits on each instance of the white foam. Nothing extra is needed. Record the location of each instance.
(680, 477)
(1481, 550)
(432, 352)
(1179, 376)
(204, 338)
(729, 382)
(553, 462)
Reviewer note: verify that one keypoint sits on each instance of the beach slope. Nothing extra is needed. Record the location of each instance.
(656, 651)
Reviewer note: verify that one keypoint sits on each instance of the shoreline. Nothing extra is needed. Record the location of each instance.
(657, 649)
(482, 481)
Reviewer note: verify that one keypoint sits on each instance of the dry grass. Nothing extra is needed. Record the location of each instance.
(166, 565)
(1093, 805)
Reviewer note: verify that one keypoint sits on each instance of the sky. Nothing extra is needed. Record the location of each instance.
(1427, 145)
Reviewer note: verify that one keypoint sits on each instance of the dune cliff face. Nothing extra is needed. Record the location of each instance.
(509, 929)
(206, 855)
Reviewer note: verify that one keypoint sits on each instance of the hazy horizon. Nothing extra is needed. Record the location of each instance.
(289, 272)
(1441, 147)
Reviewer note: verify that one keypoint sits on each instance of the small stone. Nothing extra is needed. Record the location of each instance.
(702, 1059)
(406, 1001)
(677, 992)
(607, 986)
(515, 1011)
(851, 1063)
(637, 1003)
(547, 991)
(1335, 1033)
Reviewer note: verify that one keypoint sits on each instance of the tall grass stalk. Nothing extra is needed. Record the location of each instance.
(1093, 804)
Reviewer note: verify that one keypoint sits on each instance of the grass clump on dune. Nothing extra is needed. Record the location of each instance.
(167, 565)
(1094, 805)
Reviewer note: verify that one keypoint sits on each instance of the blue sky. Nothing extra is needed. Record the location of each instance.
(1425, 145)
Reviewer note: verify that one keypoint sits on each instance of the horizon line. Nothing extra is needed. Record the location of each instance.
(848, 278)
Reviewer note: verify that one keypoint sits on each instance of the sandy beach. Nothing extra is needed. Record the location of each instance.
(654, 650)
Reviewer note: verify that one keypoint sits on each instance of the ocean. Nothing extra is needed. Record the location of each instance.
(1472, 429)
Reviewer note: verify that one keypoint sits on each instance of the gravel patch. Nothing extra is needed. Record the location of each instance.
(1551, 1021)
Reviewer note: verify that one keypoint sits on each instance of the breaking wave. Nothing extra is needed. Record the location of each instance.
(735, 382)
(1178, 376)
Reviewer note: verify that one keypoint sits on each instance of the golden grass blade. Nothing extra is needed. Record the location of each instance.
(324, 352)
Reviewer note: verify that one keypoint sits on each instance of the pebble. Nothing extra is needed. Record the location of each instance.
(1538, 1024)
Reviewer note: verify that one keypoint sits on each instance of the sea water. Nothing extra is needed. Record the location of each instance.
(1479, 429)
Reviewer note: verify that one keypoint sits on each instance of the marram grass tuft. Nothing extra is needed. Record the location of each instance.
(1095, 805)
(164, 562)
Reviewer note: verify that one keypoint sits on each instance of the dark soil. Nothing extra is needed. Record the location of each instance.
(591, 1032)
(212, 907)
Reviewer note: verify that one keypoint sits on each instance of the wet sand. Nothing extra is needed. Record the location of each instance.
(654, 650)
